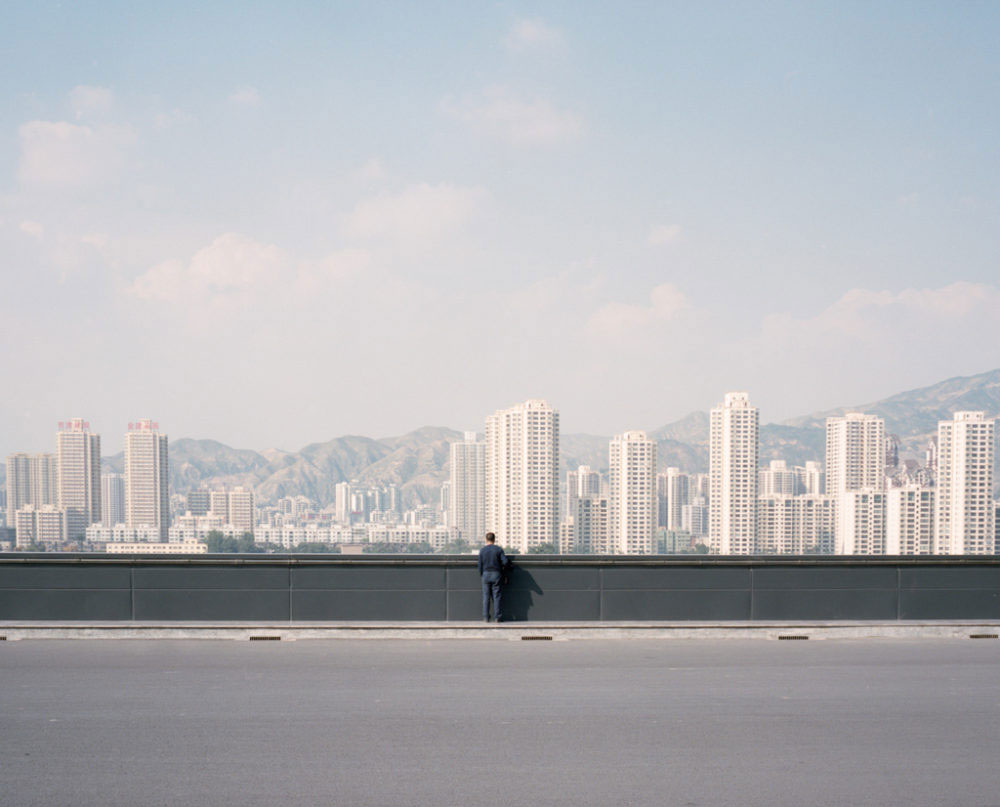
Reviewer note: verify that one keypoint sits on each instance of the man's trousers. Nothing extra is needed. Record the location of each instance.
(492, 587)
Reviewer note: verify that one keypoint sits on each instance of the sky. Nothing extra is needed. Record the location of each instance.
(273, 224)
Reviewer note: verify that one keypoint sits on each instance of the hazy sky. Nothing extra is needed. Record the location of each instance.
(276, 223)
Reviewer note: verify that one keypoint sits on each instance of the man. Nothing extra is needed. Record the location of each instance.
(492, 562)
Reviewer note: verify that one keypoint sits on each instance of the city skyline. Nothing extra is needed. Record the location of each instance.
(547, 195)
(510, 484)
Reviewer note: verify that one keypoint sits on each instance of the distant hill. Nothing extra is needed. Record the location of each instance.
(418, 461)
(913, 415)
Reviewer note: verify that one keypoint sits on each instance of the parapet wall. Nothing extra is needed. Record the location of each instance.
(296, 588)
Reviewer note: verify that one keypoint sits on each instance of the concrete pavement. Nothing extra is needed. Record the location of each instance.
(486, 723)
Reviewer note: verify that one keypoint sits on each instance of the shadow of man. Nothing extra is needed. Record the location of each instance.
(519, 592)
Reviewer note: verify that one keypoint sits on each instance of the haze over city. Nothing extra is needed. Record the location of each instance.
(273, 228)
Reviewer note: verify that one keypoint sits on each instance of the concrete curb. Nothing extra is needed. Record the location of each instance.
(556, 631)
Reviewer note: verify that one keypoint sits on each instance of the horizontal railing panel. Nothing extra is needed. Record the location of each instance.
(277, 588)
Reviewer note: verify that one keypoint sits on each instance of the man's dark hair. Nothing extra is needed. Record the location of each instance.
(490, 538)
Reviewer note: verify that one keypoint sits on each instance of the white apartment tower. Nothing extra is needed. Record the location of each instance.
(40, 525)
(965, 451)
(733, 474)
(796, 525)
(632, 503)
(147, 498)
(674, 491)
(855, 453)
(522, 475)
(812, 477)
(78, 453)
(467, 505)
(590, 526)
(240, 509)
(909, 526)
(112, 499)
(31, 480)
(778, 480)
(861, 518)
(855, 476)
(342, 492)
(582, 483)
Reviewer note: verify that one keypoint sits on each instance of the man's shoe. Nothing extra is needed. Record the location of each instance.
(486, 619)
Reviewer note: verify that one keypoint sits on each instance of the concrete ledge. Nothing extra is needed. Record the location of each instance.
(558, 631)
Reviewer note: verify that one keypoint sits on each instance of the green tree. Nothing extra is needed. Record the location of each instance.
(382, 548)
(317, 547)
(548, 548)
(457, 547)
(245, 543)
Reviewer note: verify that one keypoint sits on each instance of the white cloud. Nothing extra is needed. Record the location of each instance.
(33, 229)
(533, 34)
(523, 122)
(236, 273)
(420, 213)
(90, 102)
(372, 170)
(245, 97)
(661, 234)
(343, 265)
(233, 265)
(877, 317)
(61, 153)
(171, 117)
(667, 303)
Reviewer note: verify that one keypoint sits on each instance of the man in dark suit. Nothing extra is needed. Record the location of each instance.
(492, 563)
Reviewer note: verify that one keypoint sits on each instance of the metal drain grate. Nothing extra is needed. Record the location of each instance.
(790, 638)
(536, 638)
(265, 638)
(984, 636)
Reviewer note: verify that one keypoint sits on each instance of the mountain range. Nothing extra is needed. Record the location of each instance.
(418, 461)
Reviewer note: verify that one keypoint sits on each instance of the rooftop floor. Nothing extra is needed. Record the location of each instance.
(476, 722)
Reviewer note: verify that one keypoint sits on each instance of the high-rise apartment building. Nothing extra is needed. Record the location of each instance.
(31, 480)
(861, 519)
(233, 507)
(586, 531)
(199, 501)
(909, 525)
(343, 499)
(218, 505)
(112, 499)
(778, 480)
(965, 456)
(147, 497)
(855, 453)
(78, 460)
(673, 490)
(40, 525)
(582, 483)
(467, 505)
(796, 525)
(522, 475)
(240, 513)
(813, 478)
(694, 518)
(632, 504)
(855, 475)
(734, 449)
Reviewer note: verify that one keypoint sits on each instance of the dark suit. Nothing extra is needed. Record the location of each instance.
(492, 562)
